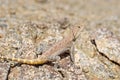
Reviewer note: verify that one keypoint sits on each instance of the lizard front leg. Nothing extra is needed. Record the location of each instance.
(56, 56)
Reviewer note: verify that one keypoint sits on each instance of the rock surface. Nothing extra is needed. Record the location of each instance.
(4, 71)
(29, 28)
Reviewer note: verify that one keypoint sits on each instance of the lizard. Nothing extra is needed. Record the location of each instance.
(57, 49)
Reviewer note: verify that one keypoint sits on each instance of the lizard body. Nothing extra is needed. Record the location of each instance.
(57, 49)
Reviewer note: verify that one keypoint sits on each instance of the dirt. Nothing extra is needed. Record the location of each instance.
(29, 28)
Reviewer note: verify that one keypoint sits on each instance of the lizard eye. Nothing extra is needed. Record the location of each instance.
(78, 26)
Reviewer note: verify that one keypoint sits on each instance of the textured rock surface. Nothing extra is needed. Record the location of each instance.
(4, 71)
(94, 61)
(28, 28)
(108, 44)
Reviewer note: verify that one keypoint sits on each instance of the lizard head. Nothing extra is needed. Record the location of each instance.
(76, 30)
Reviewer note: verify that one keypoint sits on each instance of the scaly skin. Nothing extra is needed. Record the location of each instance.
(55, 50)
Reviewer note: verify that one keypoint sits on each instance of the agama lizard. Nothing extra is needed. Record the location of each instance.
(57, 49)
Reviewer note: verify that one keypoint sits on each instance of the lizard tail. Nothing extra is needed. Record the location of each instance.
(41, 60)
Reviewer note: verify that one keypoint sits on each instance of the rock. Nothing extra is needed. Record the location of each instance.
(108, 44)
(4, 70)
(93, 64)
